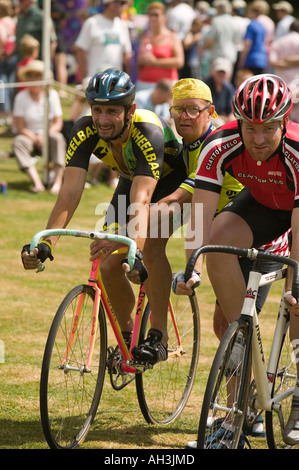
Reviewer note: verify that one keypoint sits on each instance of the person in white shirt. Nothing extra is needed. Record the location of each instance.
(222, 37)
(180, 15)
(28, 115)
(283, 11)
(104, 41)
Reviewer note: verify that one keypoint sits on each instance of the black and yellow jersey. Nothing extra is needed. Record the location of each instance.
(151, 149)
(230, 188)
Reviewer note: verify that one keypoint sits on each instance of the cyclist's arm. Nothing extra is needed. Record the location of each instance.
(66, 204)
(140, 198)
(204, 205)
(68, 199)
(179, 196)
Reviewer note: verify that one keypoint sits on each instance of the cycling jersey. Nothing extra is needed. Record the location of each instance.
(273, 183)
(151, 148)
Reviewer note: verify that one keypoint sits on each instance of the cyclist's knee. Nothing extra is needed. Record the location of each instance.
(111, 267)
(219, 321)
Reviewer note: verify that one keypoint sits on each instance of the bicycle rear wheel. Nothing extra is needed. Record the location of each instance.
(225, 400)
(70, 394)
(164, 390)
(285, 378)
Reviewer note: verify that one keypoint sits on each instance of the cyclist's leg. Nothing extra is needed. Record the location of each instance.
(224, 270)
(158, 284)
(243, 223)
(119, 291)
(157, 288)
(118, 287)
(219, 322)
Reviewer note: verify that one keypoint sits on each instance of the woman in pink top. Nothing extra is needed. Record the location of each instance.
(161, 52)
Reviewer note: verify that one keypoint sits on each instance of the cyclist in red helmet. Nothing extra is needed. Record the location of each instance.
(261, 150)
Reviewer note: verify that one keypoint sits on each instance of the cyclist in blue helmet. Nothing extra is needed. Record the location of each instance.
(146, 153)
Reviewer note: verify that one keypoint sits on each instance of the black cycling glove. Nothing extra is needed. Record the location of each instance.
(138, 266)
(44, 251)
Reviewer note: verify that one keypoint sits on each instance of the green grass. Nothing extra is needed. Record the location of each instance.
(28, 302)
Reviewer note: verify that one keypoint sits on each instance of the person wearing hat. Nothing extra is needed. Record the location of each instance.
(28, 115)
(104, 41)
(283, 11)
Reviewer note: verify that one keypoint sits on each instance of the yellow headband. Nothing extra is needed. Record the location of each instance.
(191, 88)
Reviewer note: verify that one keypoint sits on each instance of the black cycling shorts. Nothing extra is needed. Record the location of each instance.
(117, 213)
(266, 224)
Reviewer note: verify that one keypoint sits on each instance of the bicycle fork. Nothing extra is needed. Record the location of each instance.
(264, 376)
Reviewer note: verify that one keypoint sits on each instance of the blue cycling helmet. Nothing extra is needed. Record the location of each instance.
(110, 86)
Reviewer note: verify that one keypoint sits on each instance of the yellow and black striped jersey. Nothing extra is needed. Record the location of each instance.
(151, 149)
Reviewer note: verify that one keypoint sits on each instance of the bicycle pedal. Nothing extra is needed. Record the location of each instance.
(141, 366)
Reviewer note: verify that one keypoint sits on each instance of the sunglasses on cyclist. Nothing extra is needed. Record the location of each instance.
(192, 111)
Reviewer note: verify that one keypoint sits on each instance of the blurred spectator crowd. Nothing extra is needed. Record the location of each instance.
(221, 42)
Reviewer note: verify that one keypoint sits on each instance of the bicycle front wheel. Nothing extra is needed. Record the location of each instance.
(283, 383)
(225, 400)
(164, 390)
(69, 392)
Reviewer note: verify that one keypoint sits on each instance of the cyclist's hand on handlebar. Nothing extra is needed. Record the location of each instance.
(139, 272)
(181, 287)
(31, 260)
(294, 305)
(102, 248)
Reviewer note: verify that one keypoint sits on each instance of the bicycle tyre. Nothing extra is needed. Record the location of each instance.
(163, 391)
(69, 398)
(284, 379)
(223, 410)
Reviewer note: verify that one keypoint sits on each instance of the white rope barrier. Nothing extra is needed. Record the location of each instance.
(43, 83)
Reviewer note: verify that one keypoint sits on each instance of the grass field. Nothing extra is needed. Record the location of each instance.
(28, 303)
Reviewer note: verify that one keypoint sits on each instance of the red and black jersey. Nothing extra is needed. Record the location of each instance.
(273, 183)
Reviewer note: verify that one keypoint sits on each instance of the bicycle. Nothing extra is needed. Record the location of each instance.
(77, 356)
(231, 398)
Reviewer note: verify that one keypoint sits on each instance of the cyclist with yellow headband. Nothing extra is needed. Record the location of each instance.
(198, 112)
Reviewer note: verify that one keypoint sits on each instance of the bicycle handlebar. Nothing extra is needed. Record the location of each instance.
(85, 234)
(250, 253)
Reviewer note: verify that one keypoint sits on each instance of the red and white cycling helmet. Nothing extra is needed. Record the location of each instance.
(262, 98)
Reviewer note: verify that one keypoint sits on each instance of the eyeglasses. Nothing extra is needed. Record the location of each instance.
(192, 111)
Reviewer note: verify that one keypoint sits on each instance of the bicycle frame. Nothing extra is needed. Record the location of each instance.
(263, 375)
(101, 295)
